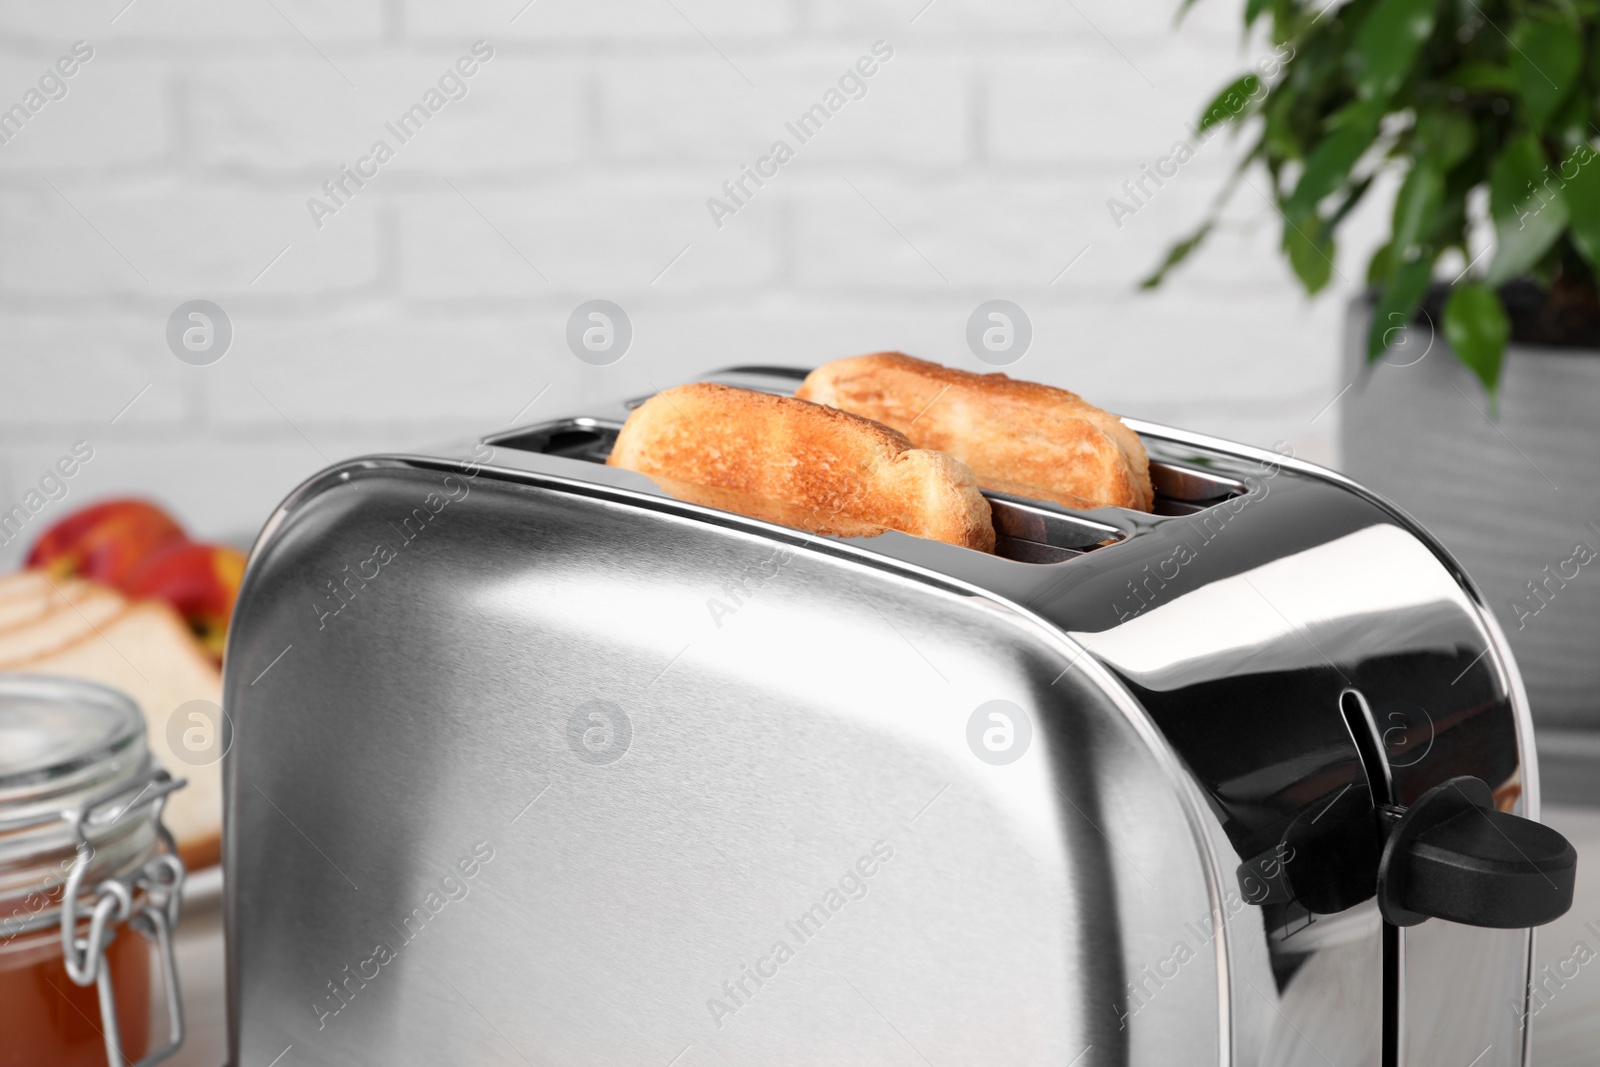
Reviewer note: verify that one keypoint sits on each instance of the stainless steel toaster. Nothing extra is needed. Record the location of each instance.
(531, 762)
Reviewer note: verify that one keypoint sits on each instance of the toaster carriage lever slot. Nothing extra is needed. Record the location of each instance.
(1450, 855)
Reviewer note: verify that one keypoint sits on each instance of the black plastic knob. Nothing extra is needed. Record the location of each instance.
(1453, 856)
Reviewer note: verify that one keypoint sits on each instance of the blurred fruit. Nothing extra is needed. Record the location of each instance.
(106, 542)
(137, 548)
(201, 581)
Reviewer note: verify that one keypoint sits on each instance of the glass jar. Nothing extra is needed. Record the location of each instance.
(89, 879)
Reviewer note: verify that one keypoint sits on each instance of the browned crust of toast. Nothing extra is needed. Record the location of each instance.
(1018, 437)
(802, 465)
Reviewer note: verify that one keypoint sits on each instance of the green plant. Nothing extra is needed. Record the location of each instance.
(1462, 95)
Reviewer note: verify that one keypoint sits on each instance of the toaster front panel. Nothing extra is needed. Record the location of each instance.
(529, 775)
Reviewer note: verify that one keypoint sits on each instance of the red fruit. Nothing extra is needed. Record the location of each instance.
(105, 542)
(200, 581)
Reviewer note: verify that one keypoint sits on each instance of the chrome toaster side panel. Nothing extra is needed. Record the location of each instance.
(1240, 630)
(631, 910)
(1429, 656)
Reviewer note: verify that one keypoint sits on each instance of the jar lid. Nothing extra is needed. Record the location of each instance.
(63, 744)
(52, 729)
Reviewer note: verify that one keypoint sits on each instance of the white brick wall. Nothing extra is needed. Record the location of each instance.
(179, 163)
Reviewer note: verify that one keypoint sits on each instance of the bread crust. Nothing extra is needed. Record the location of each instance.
(148, 652)
(800, 464)
(1018, 437)
(62, 625)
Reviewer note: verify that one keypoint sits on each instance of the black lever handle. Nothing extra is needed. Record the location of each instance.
(1453, 856)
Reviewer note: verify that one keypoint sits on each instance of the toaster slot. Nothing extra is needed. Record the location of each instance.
(586, 439)
(1184, 490)
(1027, 530)
(1033, 531)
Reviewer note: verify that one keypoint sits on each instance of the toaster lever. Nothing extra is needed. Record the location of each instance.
(1452, 855)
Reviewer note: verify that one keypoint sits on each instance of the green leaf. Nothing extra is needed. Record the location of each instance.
(1387, 45)
(1416, 207)
(1253, 10)
(1475, 75)
(1545, 57)
(1351, 199)
(1282, 137)
(1520, 167)
(1381, 265)
(1528, 209)
(1581, 194)
(1230, 103)
(1477, 328)
(1446, 136)
(1569, 126)
(1176, 255)
(1330, 161)
(1397, 305)
(1310, 250)
(1289, 21)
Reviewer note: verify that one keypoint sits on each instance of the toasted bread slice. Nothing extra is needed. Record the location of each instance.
(781, 512)
(1018, 437)
(148, 652)
(801, 464)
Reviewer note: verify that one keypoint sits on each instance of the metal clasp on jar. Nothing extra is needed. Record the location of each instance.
(147, 898)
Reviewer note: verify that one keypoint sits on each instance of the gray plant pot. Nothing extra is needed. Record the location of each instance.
(1516, 500)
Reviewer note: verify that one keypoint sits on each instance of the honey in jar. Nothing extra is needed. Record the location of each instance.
(81, 841)
(50, 1019)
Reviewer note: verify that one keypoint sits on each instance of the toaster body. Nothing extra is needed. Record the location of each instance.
(531, 762)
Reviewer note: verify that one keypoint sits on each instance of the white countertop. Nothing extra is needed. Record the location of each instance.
(1566, 1031)
(198, 947)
